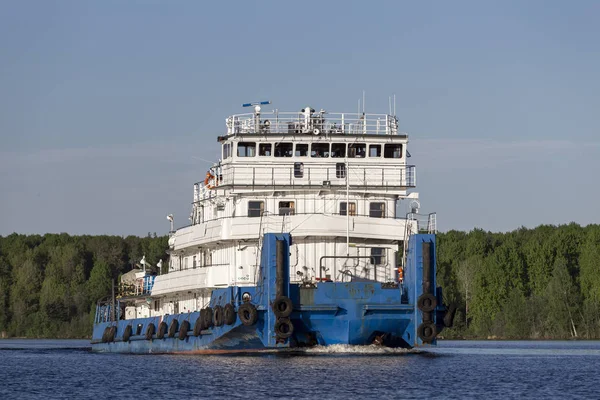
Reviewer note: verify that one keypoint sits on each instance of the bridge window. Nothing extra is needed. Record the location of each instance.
(377, 255)
(286, 208)
(255, 208)
(392, 151)
(338, 150)
(226, 150)
(375, 150)
(319, 150)
(298, 170)
(357, 150)
(377, 210)
(283, 149)
(246, 149)
(344, 208)
(264, 149)
(340, 170)
(301, 150)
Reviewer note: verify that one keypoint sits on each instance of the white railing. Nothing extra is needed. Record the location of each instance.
(318, 175)
(320, 123)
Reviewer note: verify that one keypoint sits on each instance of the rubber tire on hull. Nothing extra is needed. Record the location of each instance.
(183, 330)
(150, 331)
(173, 328)
(284, 328)
(282, 307)
(198, 325)
(208, 317)
(112, 332)
(218, 316)
(229, 314)
(427, 302)
(127, 333)
(248, 314)
(162, 330)
(427, 331)
(105, 334)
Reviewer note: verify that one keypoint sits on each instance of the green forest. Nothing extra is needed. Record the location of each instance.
(541, 283)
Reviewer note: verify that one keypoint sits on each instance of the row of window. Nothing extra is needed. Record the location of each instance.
(257, 208)
(318, 150)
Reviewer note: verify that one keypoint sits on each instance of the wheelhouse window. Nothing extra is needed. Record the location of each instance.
(246, 149)
(255, 208)
(375, 150)
(338, 150)
(377, 256)
(319, 150)
(301, 150)
(286, 208)
(264, 149)
(194, 265)
(284, 149)
(340, 170)
(226, 150)
(298, 170)
(344, 209)
(377, 210)
(357, 150)
(392, 151)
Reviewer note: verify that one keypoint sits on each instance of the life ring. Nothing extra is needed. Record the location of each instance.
(183, 330)
(282, 307)
(284, 328)
(248, 314)
(427, 331)
(127, 333)
(427, 302)
(198, 325)
(150, 331)
(173, 328)
(229, 314)
(208, 317)
(218, 316)
(207, 180)
(162, 329)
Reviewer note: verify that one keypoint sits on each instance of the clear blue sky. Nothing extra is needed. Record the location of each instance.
(108, 109)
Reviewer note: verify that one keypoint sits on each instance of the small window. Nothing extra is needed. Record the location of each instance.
(338, 150)
(375, 150)
(319, 150)
(264, 149)
(246, 149)
(340, 170)
(377, 256)
(226, 150)
(194, 262)
(185, 263)
(344, 208)
(255, 208)
(357, 150)
(301, 150)
(283, 149)
(392, 151)
(286, 208)
(298, 170)
(377, 210)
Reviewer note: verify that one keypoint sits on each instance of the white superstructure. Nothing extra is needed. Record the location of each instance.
(334, 181)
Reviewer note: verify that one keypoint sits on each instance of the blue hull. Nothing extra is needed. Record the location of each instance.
(327, 313)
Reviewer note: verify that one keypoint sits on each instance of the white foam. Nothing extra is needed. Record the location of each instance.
(353, 349)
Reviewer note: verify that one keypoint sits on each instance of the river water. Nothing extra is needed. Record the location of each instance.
(59, 369)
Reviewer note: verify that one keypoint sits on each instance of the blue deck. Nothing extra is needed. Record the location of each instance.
(326, 313)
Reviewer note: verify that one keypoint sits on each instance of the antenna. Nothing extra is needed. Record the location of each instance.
(394, 104)
(390, 104)
(170, 218)
(256, 103)
(363, 101)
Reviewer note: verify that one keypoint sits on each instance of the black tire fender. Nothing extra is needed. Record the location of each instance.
(284, 328)
(162, 330)
(282, 307)
(248, 314)
(183, 329)
(173, 328)
(198, 326)
(427, 331)
(127, 333)
(218, 316)
(427, 302)
(150, 331)
(208, 317)
(229, 314)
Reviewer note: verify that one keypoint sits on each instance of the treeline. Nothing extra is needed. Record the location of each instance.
(49, 284)
(530, 283)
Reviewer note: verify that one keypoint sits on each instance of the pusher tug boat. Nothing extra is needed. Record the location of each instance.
(295, 241)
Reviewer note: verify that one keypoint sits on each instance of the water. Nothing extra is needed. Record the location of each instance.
(59, 369)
